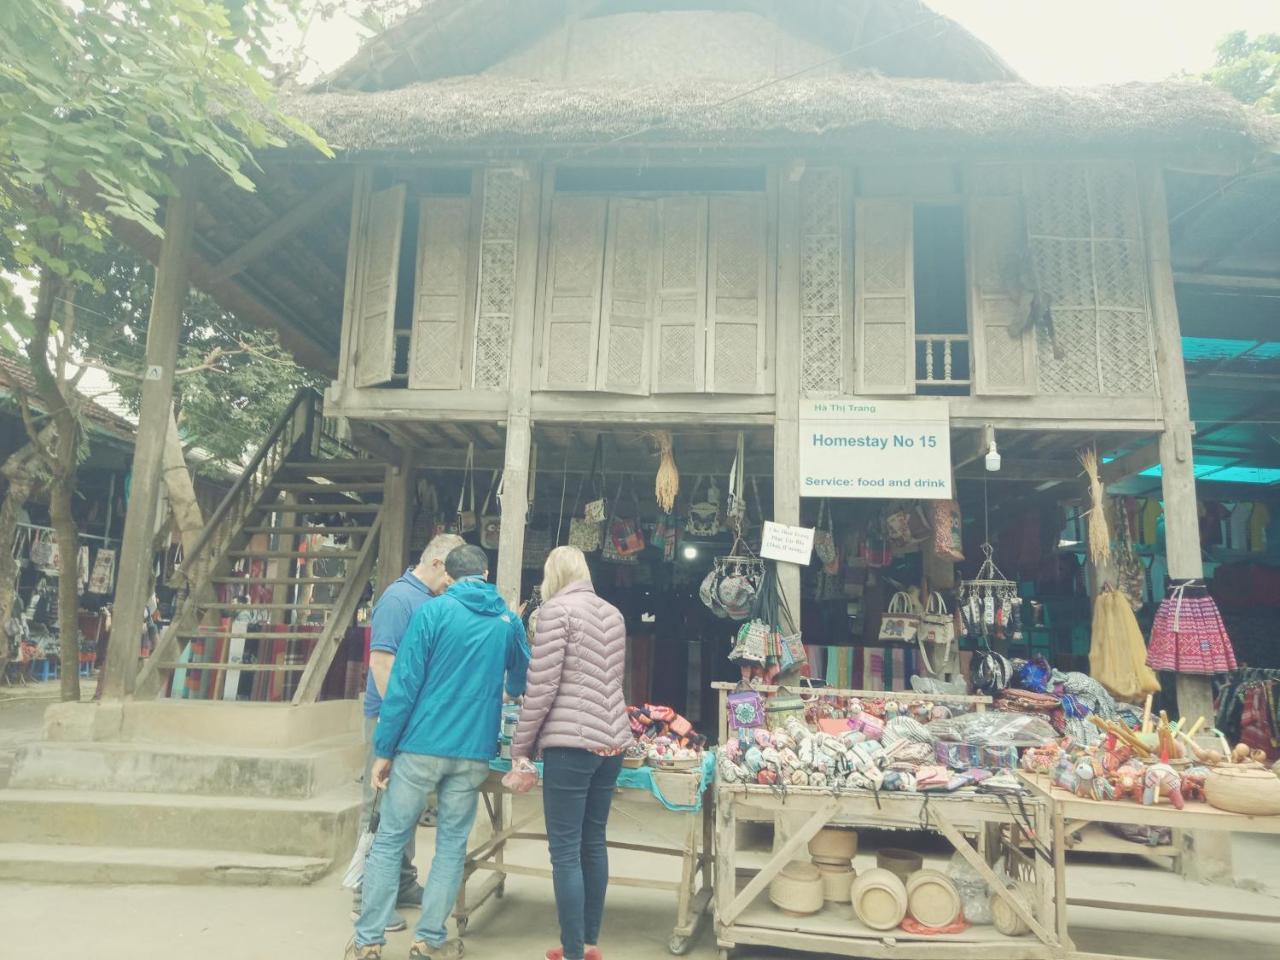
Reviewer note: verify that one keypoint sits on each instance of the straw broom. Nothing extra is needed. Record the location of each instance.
(1099, 534)
(666, 486)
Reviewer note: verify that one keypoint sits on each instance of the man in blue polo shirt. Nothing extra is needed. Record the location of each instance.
(438, 732)
(391, 616)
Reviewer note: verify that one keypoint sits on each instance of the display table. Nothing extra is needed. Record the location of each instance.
(1067, 806)
(745, 916)
(659, 793)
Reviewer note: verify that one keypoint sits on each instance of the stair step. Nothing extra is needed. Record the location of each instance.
(295, 554)
(196, 667)
(300, 531)
(58, 863)
(325, 468)
(255, 635)
(312, 507)
(278, 581)
(323, 826)
(294, 773)
(334, 486)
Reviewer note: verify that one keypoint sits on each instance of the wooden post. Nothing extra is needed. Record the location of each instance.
(163, 327)
(394, 548)
(786, 424)
(1212, 859)
(514, 498)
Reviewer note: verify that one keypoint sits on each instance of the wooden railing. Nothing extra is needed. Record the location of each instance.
(295, 429)
(939, 365)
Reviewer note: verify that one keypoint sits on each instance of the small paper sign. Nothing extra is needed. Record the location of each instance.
(155, 372)
(788, 544)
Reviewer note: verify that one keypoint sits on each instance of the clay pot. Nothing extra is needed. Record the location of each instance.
(831, 844)
(901, 862)
(836, 885)
(1240, 789)
(797, 889)
(932, 898)
(879, 899)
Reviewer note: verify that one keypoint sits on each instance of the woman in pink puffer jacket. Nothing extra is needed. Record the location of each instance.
(575, 717)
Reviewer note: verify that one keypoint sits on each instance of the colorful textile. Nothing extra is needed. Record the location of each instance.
(1188, 635)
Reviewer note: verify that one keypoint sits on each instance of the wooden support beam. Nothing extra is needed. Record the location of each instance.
(1178, 480)
(289, 223)
(1057, 471)
(1226, 281)
(394, 548)
(169, 293)
(786, 427)
(514, 498)
(1135, 461)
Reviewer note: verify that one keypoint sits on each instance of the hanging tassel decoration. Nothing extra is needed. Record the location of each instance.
(1099, 533)
(666, 486)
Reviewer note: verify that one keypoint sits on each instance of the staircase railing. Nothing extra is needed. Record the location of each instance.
(295, 428)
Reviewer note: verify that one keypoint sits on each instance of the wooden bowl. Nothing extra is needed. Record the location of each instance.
(879, 899)
(932, 898)
(1240, 789)
(901, 862)
(798, 889)
(833, 844)
(837, 884)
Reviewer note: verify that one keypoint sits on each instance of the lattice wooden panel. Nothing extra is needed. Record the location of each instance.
(821, 283)
(1087, 252)
(736, 357)
(436, 351)
(497, 284)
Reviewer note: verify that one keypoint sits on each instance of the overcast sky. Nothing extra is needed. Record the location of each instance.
(1047, 41)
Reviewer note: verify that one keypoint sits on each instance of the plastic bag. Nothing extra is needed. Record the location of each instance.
(975, 897)
(522, 777)
(994, 729)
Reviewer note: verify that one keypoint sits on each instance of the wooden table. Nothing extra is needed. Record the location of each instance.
(1067, 806)
(744, 915)
(692, 889)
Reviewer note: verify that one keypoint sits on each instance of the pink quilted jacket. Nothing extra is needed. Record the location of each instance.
(574, 696)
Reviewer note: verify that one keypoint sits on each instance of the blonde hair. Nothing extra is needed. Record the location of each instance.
(565, 565)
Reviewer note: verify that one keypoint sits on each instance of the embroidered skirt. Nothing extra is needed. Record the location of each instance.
(1188, 635)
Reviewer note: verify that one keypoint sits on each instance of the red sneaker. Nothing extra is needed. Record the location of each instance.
(557, 953)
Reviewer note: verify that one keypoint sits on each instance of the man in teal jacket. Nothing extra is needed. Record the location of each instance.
(437, 732)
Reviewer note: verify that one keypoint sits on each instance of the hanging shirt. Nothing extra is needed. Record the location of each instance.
(1211, 516)
(1240, 516)
(1259, 519)
(1150, 517)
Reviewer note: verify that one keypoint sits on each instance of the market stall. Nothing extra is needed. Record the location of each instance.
(650, 793)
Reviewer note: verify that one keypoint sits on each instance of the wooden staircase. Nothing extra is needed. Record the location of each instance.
(302, 482)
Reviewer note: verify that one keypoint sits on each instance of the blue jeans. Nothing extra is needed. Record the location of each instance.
(408, 872)
(577, 792)
(413, 777)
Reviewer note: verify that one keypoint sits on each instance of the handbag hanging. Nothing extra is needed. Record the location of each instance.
(937, 629)
(948, 531)
(901, 622)
(467, 508)
(491, 523)
(781, 706)
(704, 515)
(621, 536)
(824, 538)
(585, 534)
(746, 708)
(597, 510)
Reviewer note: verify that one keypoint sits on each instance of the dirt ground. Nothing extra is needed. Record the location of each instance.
(260, 923)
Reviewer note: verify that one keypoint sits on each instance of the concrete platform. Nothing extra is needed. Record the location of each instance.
(40, 863)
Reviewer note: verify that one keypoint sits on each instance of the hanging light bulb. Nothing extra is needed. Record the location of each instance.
(690, 552)
(993, 458)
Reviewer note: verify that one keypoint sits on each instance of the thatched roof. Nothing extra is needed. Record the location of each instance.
(449, 38)
(855, 111)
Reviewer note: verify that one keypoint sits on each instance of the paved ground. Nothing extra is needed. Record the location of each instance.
(256, 923)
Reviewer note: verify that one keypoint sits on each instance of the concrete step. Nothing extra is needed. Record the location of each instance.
(321, 827)
(207, 770)
(60, 863)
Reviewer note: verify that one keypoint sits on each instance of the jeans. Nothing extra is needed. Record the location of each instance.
(413, 777)
(577, 792)
(408, 872)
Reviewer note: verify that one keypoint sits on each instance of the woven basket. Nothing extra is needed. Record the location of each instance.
(879, 899)
(836, 885)
(831, 844)
(901, 862)
(1003, 916)
(932, 898)
(797, 889)
(1250, 790)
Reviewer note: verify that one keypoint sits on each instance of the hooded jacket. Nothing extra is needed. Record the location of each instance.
(575, 679)
(444, 698)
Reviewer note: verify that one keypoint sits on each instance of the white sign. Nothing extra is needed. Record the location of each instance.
(154, 372)
(852, 447)
(788, 544)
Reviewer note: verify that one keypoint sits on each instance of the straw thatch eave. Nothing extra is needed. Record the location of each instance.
(863, 112)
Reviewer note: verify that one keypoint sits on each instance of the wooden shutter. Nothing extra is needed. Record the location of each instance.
(680, 301)
(736, 294)
(575, 263)
(1004, 365)
(375, 328)
(440, 293)
(627, 311)
(884, 297)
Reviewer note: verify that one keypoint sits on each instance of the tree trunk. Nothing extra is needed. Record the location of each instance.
(181, 490)
(61, 459)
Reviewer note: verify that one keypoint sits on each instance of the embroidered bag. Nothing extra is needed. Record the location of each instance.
(937, 628)
(704, 515)
(900, 622)
(782, 706)
(824, 540)
(948, 534)
(664, 537)
(467, 508)
(597, 511)
(746, 708)
(616, 536)
(491, 523)
(537, 544)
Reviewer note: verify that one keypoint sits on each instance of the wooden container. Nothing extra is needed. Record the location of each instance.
(837, 884)
(879, 899)
(901, 862)
(1238, 789)
(1002, 915)
(832, 865)
(932, 898)
(797, 889)
(832, 845)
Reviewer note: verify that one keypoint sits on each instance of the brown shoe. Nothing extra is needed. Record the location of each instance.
(372, 951)
(449, 950)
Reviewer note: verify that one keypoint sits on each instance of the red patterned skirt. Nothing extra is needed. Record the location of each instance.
(1188, 635)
